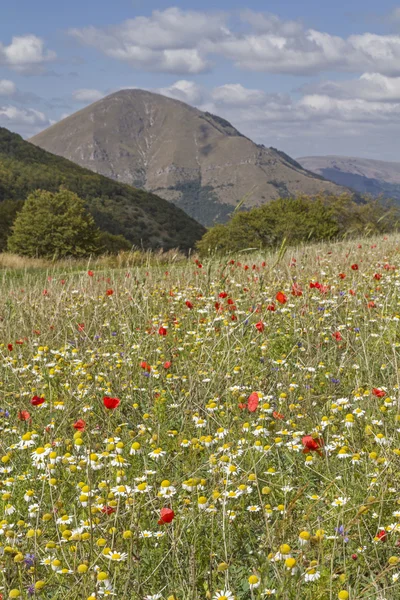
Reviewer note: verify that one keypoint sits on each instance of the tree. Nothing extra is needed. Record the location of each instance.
(54, 225)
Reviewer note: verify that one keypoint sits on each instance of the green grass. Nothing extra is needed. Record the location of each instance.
(238, 482)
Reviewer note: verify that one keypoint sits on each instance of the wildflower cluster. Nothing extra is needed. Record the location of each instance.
(222, 430)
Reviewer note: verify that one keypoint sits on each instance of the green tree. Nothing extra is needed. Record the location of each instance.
(54, 225)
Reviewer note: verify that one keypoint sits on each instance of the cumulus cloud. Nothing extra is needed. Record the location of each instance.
(179, 41)
(171, 40)
(87, 96)
(369, 86)
(234, 94)
(26, 54)
(277, 46)
(186, 91)
(27, 121)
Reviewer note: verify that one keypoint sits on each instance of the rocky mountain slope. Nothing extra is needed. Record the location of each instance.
(189, 157)
(141, 217)
(364, 175)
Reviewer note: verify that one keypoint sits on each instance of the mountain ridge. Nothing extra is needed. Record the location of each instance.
(364, 175)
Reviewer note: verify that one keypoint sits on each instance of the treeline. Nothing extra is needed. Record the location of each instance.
(301, 219)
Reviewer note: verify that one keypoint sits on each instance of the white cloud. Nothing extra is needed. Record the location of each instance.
(186, 91)
(87, 95)
(281, 47)
(234, 94)
(7, 87)
(179, 41)
(27, 121)
(170, 40)
(26, 54)
(369, 86)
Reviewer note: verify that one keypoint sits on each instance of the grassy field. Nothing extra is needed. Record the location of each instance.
(194, 431)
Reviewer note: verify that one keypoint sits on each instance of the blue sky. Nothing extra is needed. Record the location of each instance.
(307, 77)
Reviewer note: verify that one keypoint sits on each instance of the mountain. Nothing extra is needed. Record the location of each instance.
(366, 176)
(141, 217)
(189, 157)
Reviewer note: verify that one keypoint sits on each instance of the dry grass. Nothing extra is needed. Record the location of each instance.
(122, 260)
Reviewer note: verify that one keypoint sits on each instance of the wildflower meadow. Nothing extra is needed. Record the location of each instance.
(225, 429)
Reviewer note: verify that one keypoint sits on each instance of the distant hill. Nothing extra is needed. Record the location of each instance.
(366, 176)
(141, 217)
(195, 159)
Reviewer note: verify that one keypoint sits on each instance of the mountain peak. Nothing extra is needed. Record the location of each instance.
(195, 159)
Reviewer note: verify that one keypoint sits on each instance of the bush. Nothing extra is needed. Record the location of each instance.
(54, 225)
(302, 219)
(113, 244)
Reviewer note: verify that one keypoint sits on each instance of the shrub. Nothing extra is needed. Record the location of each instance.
(301, 219)
(54, 225)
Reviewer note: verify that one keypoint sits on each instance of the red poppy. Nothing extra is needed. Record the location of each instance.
(278, 415)
(260, 326)
(10, 347)
(166, 516)
(81, 326)
(381, 535)
(338, 336)
(354, 267)
(109, 292)
(189, 304)
(312, 444)
(80, 425)
(377, 276)
(167, 364)
(90, 273)
(371, 304)
(108, 510)
(296, 290)
(37, 401)
(281, 298)
(111, 403)
(252, 402)
(162, 331)
(23, 415)
(45, 293)
(378, 392)
(342, 275)
(222, 295)
(271, 307)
